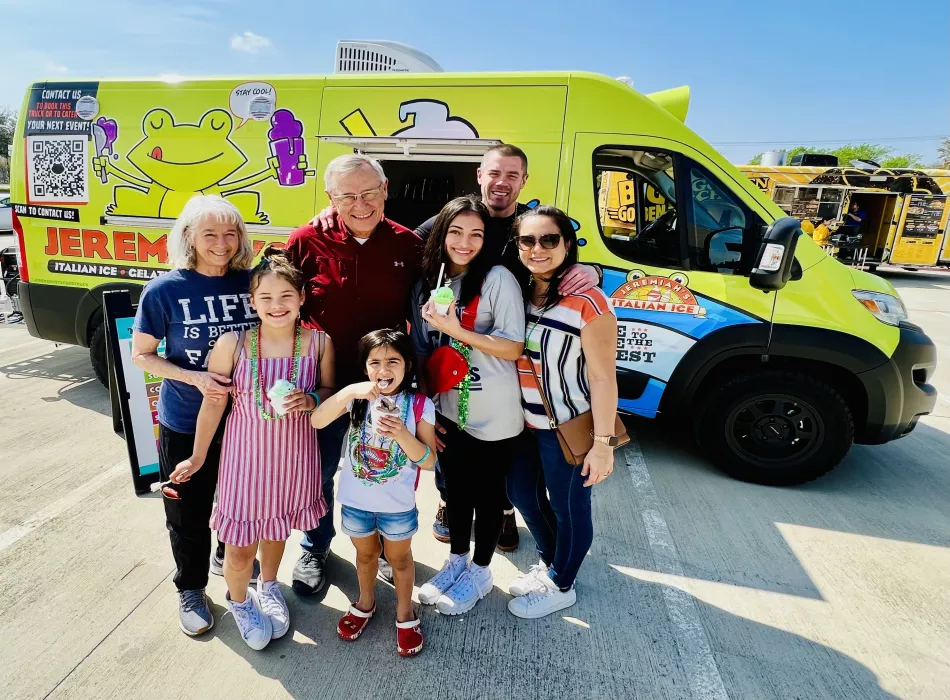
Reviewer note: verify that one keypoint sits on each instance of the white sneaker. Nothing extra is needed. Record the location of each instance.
(386, 571)
(433, 589)
(474, 584)
(275, 607)
(543, 601)
(253, 624)
(529, 581)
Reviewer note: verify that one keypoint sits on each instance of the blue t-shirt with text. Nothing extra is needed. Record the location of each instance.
(191, 311)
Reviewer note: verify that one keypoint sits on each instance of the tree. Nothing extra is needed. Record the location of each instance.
(7, 127)
(944, 154)
(860, 151)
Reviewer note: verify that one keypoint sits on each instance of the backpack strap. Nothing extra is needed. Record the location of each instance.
(239, 348)
(418, 406)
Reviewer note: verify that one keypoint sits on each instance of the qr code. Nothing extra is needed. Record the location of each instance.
(56, 169)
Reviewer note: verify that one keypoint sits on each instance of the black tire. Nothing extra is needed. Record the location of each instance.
(97, 354)
(775, 428)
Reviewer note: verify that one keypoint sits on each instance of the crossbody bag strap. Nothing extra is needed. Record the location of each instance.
(469, 314)
(544, 400)
(237, 349)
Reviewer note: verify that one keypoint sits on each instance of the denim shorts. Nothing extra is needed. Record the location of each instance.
(392, 526)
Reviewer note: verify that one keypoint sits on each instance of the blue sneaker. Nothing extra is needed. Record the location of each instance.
(253, 623)
(194, 615)
(440, 528)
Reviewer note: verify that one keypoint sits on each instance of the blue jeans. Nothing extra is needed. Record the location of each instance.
(555, 504)
(330, 440)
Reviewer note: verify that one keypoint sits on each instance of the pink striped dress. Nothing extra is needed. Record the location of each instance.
(269, 478)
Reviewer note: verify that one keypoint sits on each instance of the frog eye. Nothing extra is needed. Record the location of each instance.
(635, 275)
(158, 119)
(680, 278)
(216, 120)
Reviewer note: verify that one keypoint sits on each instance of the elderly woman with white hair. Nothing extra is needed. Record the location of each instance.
(204, 296)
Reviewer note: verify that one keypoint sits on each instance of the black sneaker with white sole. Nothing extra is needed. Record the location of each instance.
(217, 566)
(309, 577)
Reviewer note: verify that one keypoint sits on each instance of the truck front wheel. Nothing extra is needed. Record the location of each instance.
(97, 354)
(777, 428)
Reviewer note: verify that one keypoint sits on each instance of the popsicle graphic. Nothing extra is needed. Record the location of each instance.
(104, 133)
(287, 145)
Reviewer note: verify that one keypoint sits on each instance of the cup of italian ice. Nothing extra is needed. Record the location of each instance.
(442, 298)
(384, 406)
(278, 395)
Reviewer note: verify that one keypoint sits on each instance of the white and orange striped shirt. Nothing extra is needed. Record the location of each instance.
(553, 344)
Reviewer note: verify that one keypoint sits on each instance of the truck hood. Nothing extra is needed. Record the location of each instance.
(872, 283)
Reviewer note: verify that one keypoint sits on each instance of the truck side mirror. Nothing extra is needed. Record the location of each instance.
(773, 264)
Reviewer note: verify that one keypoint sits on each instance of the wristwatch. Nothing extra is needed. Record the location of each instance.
(609, 440)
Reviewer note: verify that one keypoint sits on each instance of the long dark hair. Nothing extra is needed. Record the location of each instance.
(568, 235)
(434, 255)
(386, 337)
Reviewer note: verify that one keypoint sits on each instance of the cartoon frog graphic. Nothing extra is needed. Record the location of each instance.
(181, 160)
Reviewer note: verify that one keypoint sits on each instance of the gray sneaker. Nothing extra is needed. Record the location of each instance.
(217, 567)
(194, 616)
(309, 577)
(275, 607)
(386, 571)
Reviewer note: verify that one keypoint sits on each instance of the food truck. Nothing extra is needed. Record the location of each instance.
(730, 320)
(906, 210)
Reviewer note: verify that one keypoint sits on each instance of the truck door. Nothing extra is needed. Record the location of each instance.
(676, 239)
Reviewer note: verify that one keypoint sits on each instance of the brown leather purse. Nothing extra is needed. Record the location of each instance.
(576, 436)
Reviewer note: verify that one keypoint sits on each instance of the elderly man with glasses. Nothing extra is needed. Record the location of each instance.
(358, 272)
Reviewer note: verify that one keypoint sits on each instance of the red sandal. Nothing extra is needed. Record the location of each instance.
(351, 625)
(409, 638)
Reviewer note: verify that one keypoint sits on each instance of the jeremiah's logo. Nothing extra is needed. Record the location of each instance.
(399, 263)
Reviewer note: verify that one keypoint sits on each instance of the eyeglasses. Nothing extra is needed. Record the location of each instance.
(548, 241)
(350, 199)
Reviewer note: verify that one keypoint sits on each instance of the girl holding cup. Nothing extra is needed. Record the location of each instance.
(269, 479)
(480, 413)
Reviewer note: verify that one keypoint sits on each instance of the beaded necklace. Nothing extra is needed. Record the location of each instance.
(257, 379)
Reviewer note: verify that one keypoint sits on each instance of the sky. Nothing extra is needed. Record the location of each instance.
(763, 74)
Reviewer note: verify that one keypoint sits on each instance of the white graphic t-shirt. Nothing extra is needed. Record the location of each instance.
(376, 475)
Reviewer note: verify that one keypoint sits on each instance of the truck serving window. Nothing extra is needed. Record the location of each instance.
(636, 205)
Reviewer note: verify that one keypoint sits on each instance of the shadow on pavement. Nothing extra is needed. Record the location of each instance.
(488, 653)
(70, 366)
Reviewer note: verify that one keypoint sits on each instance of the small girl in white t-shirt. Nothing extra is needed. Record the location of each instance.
(391, 437)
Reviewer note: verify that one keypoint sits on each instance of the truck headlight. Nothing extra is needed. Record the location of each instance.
(885, 307)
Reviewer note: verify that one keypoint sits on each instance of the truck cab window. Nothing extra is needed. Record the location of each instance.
(722, 233)
(636, 206)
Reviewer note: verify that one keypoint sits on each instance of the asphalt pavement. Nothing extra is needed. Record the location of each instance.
(697, 586)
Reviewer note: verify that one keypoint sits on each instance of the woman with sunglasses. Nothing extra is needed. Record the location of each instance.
(479, 340)
(570, 345)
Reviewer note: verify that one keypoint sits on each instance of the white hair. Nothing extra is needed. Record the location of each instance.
(181, 243)
(341, 165)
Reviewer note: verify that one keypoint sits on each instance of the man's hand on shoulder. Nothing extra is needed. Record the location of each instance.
(323, 220)
(578, 279)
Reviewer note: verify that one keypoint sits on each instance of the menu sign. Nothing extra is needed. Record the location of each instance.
(923, 216)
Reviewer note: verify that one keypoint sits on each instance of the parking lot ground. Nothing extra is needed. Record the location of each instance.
(696, 586)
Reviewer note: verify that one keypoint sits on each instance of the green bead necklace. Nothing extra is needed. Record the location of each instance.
(465, 388)
(257, 379)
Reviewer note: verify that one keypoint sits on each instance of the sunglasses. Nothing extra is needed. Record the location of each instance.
(548, 241)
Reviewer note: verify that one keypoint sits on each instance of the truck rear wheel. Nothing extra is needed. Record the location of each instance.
(776, 428)
(97, 354)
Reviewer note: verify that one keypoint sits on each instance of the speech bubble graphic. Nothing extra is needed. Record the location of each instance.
(253, 101)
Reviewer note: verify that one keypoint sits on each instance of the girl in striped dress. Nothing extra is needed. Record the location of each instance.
(269, 479)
